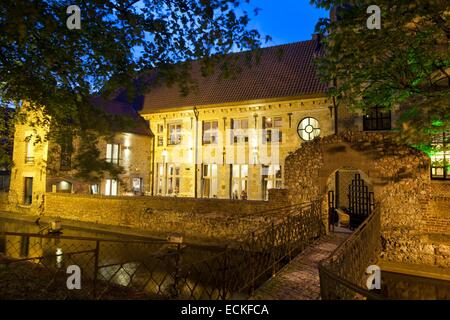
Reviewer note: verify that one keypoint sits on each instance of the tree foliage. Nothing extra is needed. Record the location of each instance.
(48, 65)
(404, 66)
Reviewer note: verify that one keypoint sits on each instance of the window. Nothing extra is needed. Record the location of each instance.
(174, 133)
(173, 179)
(271, 132)
(271, 179)
(28, 192)
(24, 246)
(160, 178)
(95, 189)
(160, 135)
(29, 149)
(239, 188)
(111, 187)
(210, 132)
(112, 153)
(440, 157)
(64, 187)
(308, 129)
(137, 185)
(209, 181)
(239, 130)
(377, 118)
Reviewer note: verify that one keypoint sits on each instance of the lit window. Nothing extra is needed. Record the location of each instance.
(271, 132)
(111, 187)
(239, 130)
(112, 153)
(95, 189)
(174, 133)
(160, 178)
(209, 181)
(29, 149)
(210, 132)
(308, 129)
(440, 156)
(271, 179)
(239, 188)
(173, 179)
(160, 137)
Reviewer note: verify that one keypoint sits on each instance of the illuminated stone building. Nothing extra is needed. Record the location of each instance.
(227, 139)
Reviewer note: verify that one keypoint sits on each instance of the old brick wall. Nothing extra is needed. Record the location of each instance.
(414, 210)
(210, 218)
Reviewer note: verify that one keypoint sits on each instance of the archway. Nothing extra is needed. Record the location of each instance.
(349, 198)
(64, 187)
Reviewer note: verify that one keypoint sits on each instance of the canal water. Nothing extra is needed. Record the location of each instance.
(408, 287)
(123, 260)
(151, 265)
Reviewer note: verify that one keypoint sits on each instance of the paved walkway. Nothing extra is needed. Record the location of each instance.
(299, 280)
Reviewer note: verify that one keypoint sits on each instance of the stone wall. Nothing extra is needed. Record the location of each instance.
(3, 201)
(195, 218)
(415, 221)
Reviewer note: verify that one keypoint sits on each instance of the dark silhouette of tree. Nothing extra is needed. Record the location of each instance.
(404, 65)
(119, 44)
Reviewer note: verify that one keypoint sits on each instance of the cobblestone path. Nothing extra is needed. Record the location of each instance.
(299, 280)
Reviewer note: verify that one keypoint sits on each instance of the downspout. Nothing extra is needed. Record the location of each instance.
(152, 172)
(196, 113)
(335, 106)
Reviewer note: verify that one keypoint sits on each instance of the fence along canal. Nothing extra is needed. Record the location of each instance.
(34, 265)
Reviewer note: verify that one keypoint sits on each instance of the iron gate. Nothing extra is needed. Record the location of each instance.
(361, 201)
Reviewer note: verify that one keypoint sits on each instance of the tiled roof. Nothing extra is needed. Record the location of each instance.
(133, 123)
(282, 71)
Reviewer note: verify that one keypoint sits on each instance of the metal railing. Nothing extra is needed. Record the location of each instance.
(342, 275)
(34, 266)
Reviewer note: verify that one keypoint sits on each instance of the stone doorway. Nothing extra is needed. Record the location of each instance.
(350, 198)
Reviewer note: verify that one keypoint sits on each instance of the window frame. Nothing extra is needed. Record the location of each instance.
(236, 138)
(271, 178)
(267, 130)
(309, 118)
(442, 140)
(240, 179)
(110, 158)
(377, 115)
(212, 133)
(178, 135)
(109, 191)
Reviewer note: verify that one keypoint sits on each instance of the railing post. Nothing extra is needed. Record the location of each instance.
(176, 292)
(96, 255)
(273, 249)
(224, 274)
(252, 264)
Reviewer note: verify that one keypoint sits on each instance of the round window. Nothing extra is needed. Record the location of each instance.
(308, 129)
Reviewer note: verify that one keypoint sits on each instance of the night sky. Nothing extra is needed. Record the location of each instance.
(285, 20)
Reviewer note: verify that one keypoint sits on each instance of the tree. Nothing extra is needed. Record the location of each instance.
(404, 65)
(48, 65)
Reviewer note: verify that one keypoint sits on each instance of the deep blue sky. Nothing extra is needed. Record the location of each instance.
(285, 20)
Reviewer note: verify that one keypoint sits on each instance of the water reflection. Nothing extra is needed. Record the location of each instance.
(144, 266)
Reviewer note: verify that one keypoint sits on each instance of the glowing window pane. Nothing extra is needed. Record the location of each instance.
(308, 129)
